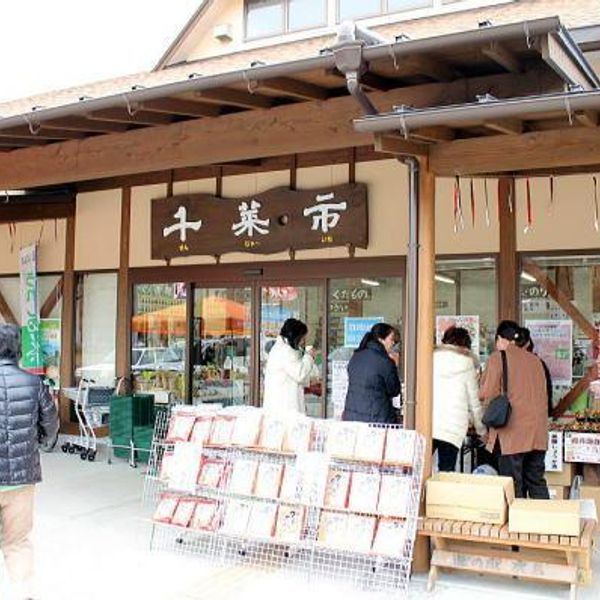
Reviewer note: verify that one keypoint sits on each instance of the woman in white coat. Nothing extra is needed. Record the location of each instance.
(455, 396)
(288, 369)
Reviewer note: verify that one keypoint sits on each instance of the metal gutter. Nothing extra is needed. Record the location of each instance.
(395, 51)
(477, 113)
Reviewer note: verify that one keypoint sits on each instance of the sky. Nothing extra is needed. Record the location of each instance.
(53, 44)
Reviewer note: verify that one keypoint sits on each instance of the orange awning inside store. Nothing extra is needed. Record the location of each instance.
(218, 317)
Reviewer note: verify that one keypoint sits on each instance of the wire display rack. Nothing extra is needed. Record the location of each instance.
(248, 528)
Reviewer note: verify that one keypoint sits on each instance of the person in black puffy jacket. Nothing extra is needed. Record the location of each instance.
(27, 412)
(373, 379)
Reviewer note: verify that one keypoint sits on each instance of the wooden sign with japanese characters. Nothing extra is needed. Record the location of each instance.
(276, 220)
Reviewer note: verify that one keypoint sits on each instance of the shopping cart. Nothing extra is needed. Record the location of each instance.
(90, 403)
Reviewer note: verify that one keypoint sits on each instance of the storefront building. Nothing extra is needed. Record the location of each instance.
(199, 323)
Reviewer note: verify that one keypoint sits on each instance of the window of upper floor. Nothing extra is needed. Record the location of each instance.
(266, 18)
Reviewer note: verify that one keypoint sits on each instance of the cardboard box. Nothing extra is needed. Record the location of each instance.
(590, 492)
(545, 517)
(564, 477)
(477, 498)
(559, 492)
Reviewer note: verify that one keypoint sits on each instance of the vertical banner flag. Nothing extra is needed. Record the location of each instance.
(31, 352)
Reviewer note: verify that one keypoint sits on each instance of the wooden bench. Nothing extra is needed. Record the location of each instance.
(492, 550)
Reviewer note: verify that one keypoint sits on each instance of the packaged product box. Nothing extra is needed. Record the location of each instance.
(390, 537)
(184, 512)
(364, 492)
(222, 430)
(202, 429)
(206, 515)
(341, 439)
(297, 435)
(212, 472)
(360, 531)
(546, 517)
(272, 432)
(394, 495)
(180, 427)
(268, 480)
(237, 514)
(462, 497)
(166, 508)
(261, 523)
(243, 476)
(290, 521)
(333, 529)
(338, 486)
(564, 477)
(247, 428)
(558, 492)
(290, 487)
(399, 446)
(370, 443)
(590, 492)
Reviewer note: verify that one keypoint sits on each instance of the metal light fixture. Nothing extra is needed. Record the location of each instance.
(444, 279)
(370, 282)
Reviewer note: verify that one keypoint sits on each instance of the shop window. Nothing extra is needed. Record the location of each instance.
(354, 305)
(95, 327)
(158, 338)
(466, 295)
(272, 17)
(304, 302)
(357, 9)
(400, 5)
(560, 341)
(222, 344)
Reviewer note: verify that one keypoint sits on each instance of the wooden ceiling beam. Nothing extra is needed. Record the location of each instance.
(558, 149)
(396, 144)
(76, 123)
(184, 108)
(283, 130)
(122, 115)
(561, 62)
(587, 118)
(294, 88)
(506, 126)
(42, 133)
(434, 68)
(502, 56)
(20, 142)
(234, 98)
(433, 134)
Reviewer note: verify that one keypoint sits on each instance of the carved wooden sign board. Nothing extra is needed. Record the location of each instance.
(273, 221)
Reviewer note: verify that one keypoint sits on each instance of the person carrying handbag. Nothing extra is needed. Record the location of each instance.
(521, 443)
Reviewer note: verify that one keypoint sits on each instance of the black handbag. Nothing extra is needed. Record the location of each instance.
(498, 411)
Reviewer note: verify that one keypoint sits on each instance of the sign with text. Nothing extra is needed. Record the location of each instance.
(553, 341)
(356, 327)
(582, 447)
(554, 454)
(31, 351)
(273, 221)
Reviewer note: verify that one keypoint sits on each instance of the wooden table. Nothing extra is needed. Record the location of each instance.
(492, 550)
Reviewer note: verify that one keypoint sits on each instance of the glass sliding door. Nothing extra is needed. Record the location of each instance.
(222, 346)
(355, 305)
(304, 302)
(158, 334)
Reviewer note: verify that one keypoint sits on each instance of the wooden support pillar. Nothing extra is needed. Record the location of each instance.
(425, 332)
(508, 271)
(68, 321)
(123, 335)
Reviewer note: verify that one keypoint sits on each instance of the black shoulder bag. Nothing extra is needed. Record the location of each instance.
(498, 411)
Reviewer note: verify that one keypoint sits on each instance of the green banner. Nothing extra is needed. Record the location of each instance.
(31, 350)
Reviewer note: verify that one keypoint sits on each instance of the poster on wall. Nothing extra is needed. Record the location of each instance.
(339, 386)
(31, 354)
(356, 327)
(554, 344)
(50, 346)
(469, 322)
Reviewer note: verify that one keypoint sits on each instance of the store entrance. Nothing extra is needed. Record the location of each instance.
(304, 302)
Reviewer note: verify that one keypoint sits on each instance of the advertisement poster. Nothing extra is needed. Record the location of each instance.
(582, 447)
(50, 346)
(468, 322)
(31, 354)
(356, 327)
(339, 386)
(554, 344)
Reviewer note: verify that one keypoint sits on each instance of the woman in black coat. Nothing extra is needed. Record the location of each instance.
(373, 377)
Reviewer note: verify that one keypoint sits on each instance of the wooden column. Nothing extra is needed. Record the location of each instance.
(425, 332)
(123, 335)
(508, 271)
(68, 321)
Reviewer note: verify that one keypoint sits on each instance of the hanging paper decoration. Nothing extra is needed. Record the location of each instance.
(458, 211)
(511, 189)
(529, 226)
(596, 225)
(472, 204)
(487, 203)
(551, 205)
